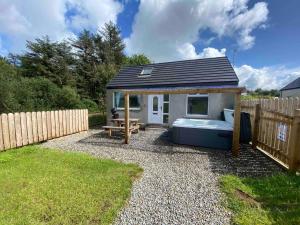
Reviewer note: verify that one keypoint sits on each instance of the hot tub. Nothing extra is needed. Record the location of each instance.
(215, 134)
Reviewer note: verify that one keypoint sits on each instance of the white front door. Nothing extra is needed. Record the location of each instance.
(155, 109)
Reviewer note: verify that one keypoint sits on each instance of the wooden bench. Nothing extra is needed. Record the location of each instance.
(111, 128)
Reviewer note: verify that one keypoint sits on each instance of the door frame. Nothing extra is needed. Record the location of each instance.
(160, 109)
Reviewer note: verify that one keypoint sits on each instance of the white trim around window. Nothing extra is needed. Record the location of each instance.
(200, 96)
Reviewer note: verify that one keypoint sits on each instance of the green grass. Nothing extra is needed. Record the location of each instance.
(97, 120)
(44, 186)
(269, 200)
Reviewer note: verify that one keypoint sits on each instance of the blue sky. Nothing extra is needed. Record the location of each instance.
(261, 36)
(277, 44)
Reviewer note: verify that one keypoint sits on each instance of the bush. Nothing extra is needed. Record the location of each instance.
(19, 93)
(90, 105)
(34, 94)
(8, 80)
(68, 99)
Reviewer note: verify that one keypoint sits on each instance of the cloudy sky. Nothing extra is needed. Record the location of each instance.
(261, 38)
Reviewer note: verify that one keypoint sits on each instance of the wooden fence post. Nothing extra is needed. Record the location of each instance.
(256, 126)
(294, 146)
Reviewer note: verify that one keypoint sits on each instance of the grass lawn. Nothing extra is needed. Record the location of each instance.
(270, 200)
(44, 186)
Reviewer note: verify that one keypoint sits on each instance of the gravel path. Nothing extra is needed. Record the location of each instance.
(179, 184)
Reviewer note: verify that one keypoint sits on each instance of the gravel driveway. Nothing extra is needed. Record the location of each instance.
(179, 184)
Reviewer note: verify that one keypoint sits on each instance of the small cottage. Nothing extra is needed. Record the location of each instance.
(164, 109)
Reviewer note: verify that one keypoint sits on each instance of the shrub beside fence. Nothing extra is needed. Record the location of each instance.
(276, 128)
(19, 129)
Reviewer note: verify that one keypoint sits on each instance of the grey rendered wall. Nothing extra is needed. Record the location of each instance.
(141, 114)
(216, 104)
(291, 93)
(177, 107)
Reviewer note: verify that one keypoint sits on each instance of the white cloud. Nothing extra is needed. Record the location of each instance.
(266, 77)
(188, 51)
(25, 20)
(167, 29)
(212, 52)
(93, 14)
(248, 21)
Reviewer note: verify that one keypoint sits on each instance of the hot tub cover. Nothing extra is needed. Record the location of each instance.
(203, 124)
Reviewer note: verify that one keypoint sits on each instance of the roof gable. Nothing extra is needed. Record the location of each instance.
(293, 85)
(188, 73)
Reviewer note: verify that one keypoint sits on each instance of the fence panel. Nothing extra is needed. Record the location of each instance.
(56, 124)
(19, 141)
(53, 134)
(44, 125)
(19, 129)
(24, 129)
(39, 126)
(34, 127)
(60, 123)
(273, 121)
(5, 131)
(29, 127)
(12, 130)
(71, 121)
(49, 126)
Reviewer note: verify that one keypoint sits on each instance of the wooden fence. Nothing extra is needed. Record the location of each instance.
(276, 128)
(19, 129)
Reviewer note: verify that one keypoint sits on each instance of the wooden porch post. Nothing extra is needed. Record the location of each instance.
(126, 118)
(294, 146)
(236, 125)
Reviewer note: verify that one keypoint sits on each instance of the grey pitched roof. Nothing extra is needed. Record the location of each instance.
(293, 85)
(188, 73)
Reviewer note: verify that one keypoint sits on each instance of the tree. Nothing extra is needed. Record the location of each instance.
(98, 58)
(8, 80)
(136, 60)
(86, 62)
(62, 74)
(52, 60)
(113, 44)
(13, 59)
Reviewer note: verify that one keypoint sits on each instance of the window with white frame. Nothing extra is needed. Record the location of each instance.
(197, 104)
(166, 104)
(119, 101)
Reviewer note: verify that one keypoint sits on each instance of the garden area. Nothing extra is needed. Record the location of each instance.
(46, 186)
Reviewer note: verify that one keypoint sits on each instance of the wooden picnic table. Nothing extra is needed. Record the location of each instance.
(119, 125)
(120, 121)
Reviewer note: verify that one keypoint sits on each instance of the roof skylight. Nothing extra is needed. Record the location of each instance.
(146, 71)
